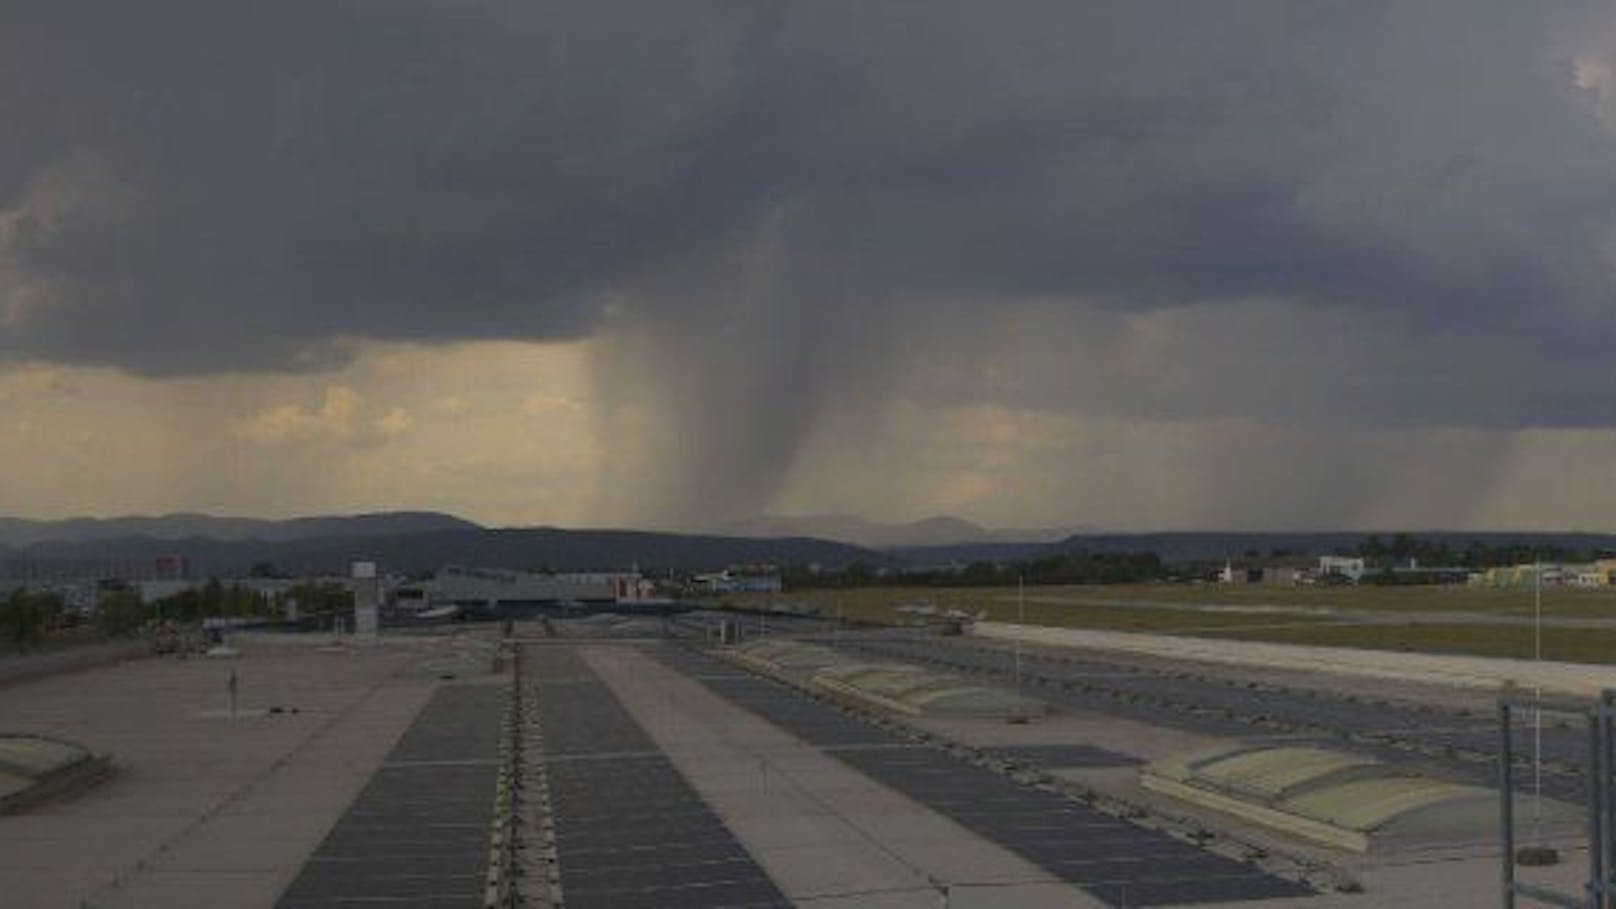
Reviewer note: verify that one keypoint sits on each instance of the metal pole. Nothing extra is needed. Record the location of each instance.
(1021, 620)
(1537, 708)
(1537, 766)
(1506, 808)
(1596, 841)
(1537, 611)
(1605, 790)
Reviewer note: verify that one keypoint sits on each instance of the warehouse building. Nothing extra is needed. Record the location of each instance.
(499, 589)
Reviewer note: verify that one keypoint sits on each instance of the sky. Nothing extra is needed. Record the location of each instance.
(1132, 265)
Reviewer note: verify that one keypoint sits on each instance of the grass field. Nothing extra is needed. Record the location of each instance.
(880, 605)
(1572, 645)
(1559, 602)
(1256, 614)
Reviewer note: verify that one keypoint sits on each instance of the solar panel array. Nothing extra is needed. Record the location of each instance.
(630, 831)
(1064, 756)
(417, 835)
(1111, 859)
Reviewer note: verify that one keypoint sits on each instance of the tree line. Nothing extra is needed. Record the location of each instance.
(29, 618)
(1063, 568)
(1401, 548)
(1380, 553)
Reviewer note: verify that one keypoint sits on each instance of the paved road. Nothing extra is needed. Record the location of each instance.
(1333, 614)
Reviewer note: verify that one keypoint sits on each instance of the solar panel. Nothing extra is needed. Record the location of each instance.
(1112, 860)
(1063, 755)
(630, 831)
(417, 835)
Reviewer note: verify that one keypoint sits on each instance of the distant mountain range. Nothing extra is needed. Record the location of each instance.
(935, 531)
(424, 541)
(402, 541)
(180, 526)
(1178, 547)
(543, 548)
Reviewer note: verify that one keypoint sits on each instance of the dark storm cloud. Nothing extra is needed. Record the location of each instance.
(198, 186)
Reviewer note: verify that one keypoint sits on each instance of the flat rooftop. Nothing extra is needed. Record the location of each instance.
(673, 777)
(202, 809)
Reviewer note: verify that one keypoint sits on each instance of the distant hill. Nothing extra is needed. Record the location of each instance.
(1201, 546)
(424, 541)
(966, 553)
(534, 548)
(934, 531)
(1195, 546)
(180, 526)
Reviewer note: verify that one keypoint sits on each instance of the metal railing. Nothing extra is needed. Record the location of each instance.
(1599, 891)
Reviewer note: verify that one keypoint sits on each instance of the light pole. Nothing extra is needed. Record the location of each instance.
(1537, 690)
(1021, 619)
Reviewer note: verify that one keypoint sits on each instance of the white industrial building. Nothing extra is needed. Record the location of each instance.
(457, 585)
(1349, 567)
(741, 579)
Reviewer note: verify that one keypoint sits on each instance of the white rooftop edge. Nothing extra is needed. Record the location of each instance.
(1581, 679)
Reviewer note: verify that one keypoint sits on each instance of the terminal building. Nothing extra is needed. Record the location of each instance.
(1598, 573)
(498, 589)
(1351, 568)
(741, 579)
(80, 581)
(39, 571)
